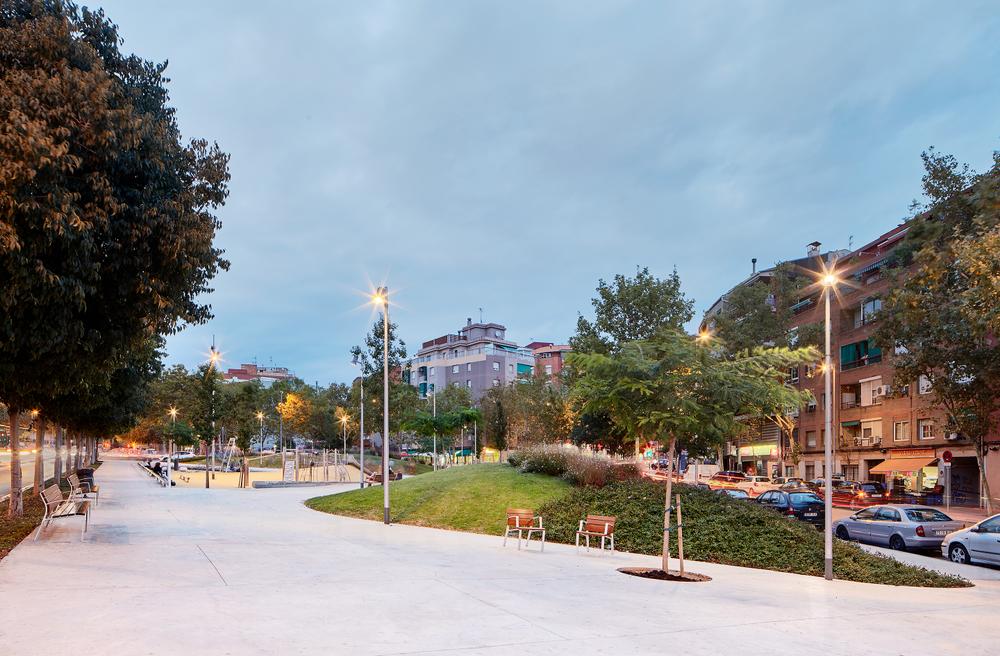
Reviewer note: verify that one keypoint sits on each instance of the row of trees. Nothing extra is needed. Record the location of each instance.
(107, 222)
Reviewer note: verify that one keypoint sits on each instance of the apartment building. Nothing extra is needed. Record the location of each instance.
(266, 375)
(884, 429)
(548, 357)
(477, 357)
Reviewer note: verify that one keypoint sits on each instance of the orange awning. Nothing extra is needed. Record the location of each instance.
(901, 465)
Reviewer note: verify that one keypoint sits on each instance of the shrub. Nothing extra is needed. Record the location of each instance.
(571, 465)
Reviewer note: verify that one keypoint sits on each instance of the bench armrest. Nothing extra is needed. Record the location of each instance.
(581, 525)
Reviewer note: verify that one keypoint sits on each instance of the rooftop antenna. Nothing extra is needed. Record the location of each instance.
(753, 263)
(850, 243)
(480, 315)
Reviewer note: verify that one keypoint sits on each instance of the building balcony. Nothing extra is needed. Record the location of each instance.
(863, 362)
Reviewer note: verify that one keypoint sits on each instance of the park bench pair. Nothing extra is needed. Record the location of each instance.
(523, 521)
(375, 478)
(76, 504)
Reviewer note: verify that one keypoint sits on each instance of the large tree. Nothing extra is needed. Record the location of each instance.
(106, 217)
(676, 389)
(940, 316)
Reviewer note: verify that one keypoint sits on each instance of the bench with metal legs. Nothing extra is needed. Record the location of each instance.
(57, 507)
(597, 526)
(523, 521)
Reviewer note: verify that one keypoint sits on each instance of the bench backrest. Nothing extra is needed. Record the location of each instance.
(52, 495)
(520, 517)
(600, 524)
(74, 481)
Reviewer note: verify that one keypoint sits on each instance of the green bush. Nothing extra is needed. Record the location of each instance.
(723, 530)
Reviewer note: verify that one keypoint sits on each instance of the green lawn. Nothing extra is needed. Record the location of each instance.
(470, 498)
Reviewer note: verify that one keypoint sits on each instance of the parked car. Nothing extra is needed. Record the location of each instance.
(980, 543)
(897, 526)
(184, 455)
(786, 480)
(736, 494)
(726, 480)
(802, 505)
(858, 495)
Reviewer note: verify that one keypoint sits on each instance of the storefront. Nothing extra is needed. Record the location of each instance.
(921, 475)
(757, 459)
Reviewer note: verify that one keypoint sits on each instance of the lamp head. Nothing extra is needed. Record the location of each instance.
(829, 280)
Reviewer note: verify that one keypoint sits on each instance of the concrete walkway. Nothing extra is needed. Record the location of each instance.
(190, 571)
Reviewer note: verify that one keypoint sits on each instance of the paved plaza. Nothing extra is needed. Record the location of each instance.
(227, 571)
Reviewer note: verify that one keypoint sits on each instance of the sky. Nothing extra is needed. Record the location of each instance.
(507, 155)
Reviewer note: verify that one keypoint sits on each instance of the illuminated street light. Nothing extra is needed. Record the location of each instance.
(361, 423)
(343, 423)
(381, 297)
(829, 282)
(704, 337)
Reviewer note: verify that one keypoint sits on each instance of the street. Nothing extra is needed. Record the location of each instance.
(27, 468)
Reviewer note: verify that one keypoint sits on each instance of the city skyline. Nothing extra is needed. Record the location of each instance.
(467, 174)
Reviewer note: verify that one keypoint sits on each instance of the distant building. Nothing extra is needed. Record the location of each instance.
(477, 357)
(266, 375)
(548, 356)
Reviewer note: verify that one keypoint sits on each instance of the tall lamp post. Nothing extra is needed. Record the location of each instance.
(343, 424)
(260, 418)
(829, 281)
(381, 297)
(361, 424)
(173, 425)
(212, 359)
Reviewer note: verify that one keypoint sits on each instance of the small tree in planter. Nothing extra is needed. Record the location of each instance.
(680, 389)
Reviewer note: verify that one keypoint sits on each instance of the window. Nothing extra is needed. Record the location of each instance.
(925, 429)
(810, 472)
(548, 370)
(496, 366)
(811, 438)
(871, 432)
(858, 354)
(901, 431)
(468, 367)
(454, 368)
(510, 368)
(468, 384)
(887, 515)
(924, 385)
(810, 370)
(432, 371)
(869, 309)
(850, 472)
(866, 514)
(793, 375)
(496, 333)
(990, 526)
(870, 391)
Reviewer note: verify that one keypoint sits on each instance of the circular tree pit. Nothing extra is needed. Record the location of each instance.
(660, 575)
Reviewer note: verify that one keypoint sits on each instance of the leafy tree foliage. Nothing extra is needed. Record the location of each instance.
(628, 309)
(106, 217)
(938, 316)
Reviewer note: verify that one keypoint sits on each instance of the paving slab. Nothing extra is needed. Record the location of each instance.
(228, 571)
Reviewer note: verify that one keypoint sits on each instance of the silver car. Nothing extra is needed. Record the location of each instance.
(980, 543)
(897, 526)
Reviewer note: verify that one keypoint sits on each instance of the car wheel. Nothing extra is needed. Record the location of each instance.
(896, 542)
(842, 533)
(958, 554)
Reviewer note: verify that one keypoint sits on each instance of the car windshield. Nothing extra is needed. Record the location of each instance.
(927, 515)
(804, 497)
(875, 488)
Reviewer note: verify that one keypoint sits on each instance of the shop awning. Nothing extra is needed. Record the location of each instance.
(850, 423)
(901, 465)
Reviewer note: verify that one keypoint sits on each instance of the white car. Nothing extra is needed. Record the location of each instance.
(184, 455)
(979, 543)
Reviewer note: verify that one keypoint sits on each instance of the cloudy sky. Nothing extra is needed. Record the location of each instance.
(506, 155)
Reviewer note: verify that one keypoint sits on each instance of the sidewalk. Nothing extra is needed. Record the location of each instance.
(227, 571)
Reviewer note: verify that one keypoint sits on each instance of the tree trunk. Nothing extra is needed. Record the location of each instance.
(39, 460)
(57, 464)
(15, 507)
(982, 476)
(666, 505)
(68, 469)
(78, 452)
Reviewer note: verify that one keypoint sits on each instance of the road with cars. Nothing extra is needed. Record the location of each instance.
(27, 468)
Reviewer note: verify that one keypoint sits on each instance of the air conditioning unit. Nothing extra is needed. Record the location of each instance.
(953, 436)
(883, 390)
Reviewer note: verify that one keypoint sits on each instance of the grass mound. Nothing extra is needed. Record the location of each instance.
(471, 498)
(723, 530)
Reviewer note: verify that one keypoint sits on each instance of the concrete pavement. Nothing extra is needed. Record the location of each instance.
(225, 571)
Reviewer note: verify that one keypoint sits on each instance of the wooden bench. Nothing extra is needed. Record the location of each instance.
(81, 489)
(56, 507)
(375, 478)
(523, 521)
(597, 526)
(157, 477)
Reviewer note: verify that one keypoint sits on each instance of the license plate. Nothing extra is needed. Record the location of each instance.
(809, 514)
(940, 532)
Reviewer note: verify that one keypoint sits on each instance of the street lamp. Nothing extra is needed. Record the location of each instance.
(361, 424)
(213, 357)
(828, 281)
(381, 297)
(260, 418)
(343, 423)
(170, 451)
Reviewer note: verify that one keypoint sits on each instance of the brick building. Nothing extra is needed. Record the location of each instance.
(884, 429)
(548, 356)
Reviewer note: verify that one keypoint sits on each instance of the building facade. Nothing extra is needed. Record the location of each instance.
(266, 375)
(548, 357)
(477, 357)
(884, 429)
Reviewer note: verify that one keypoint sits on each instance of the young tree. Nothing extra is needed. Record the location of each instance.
(675, 389)
(937, 316)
